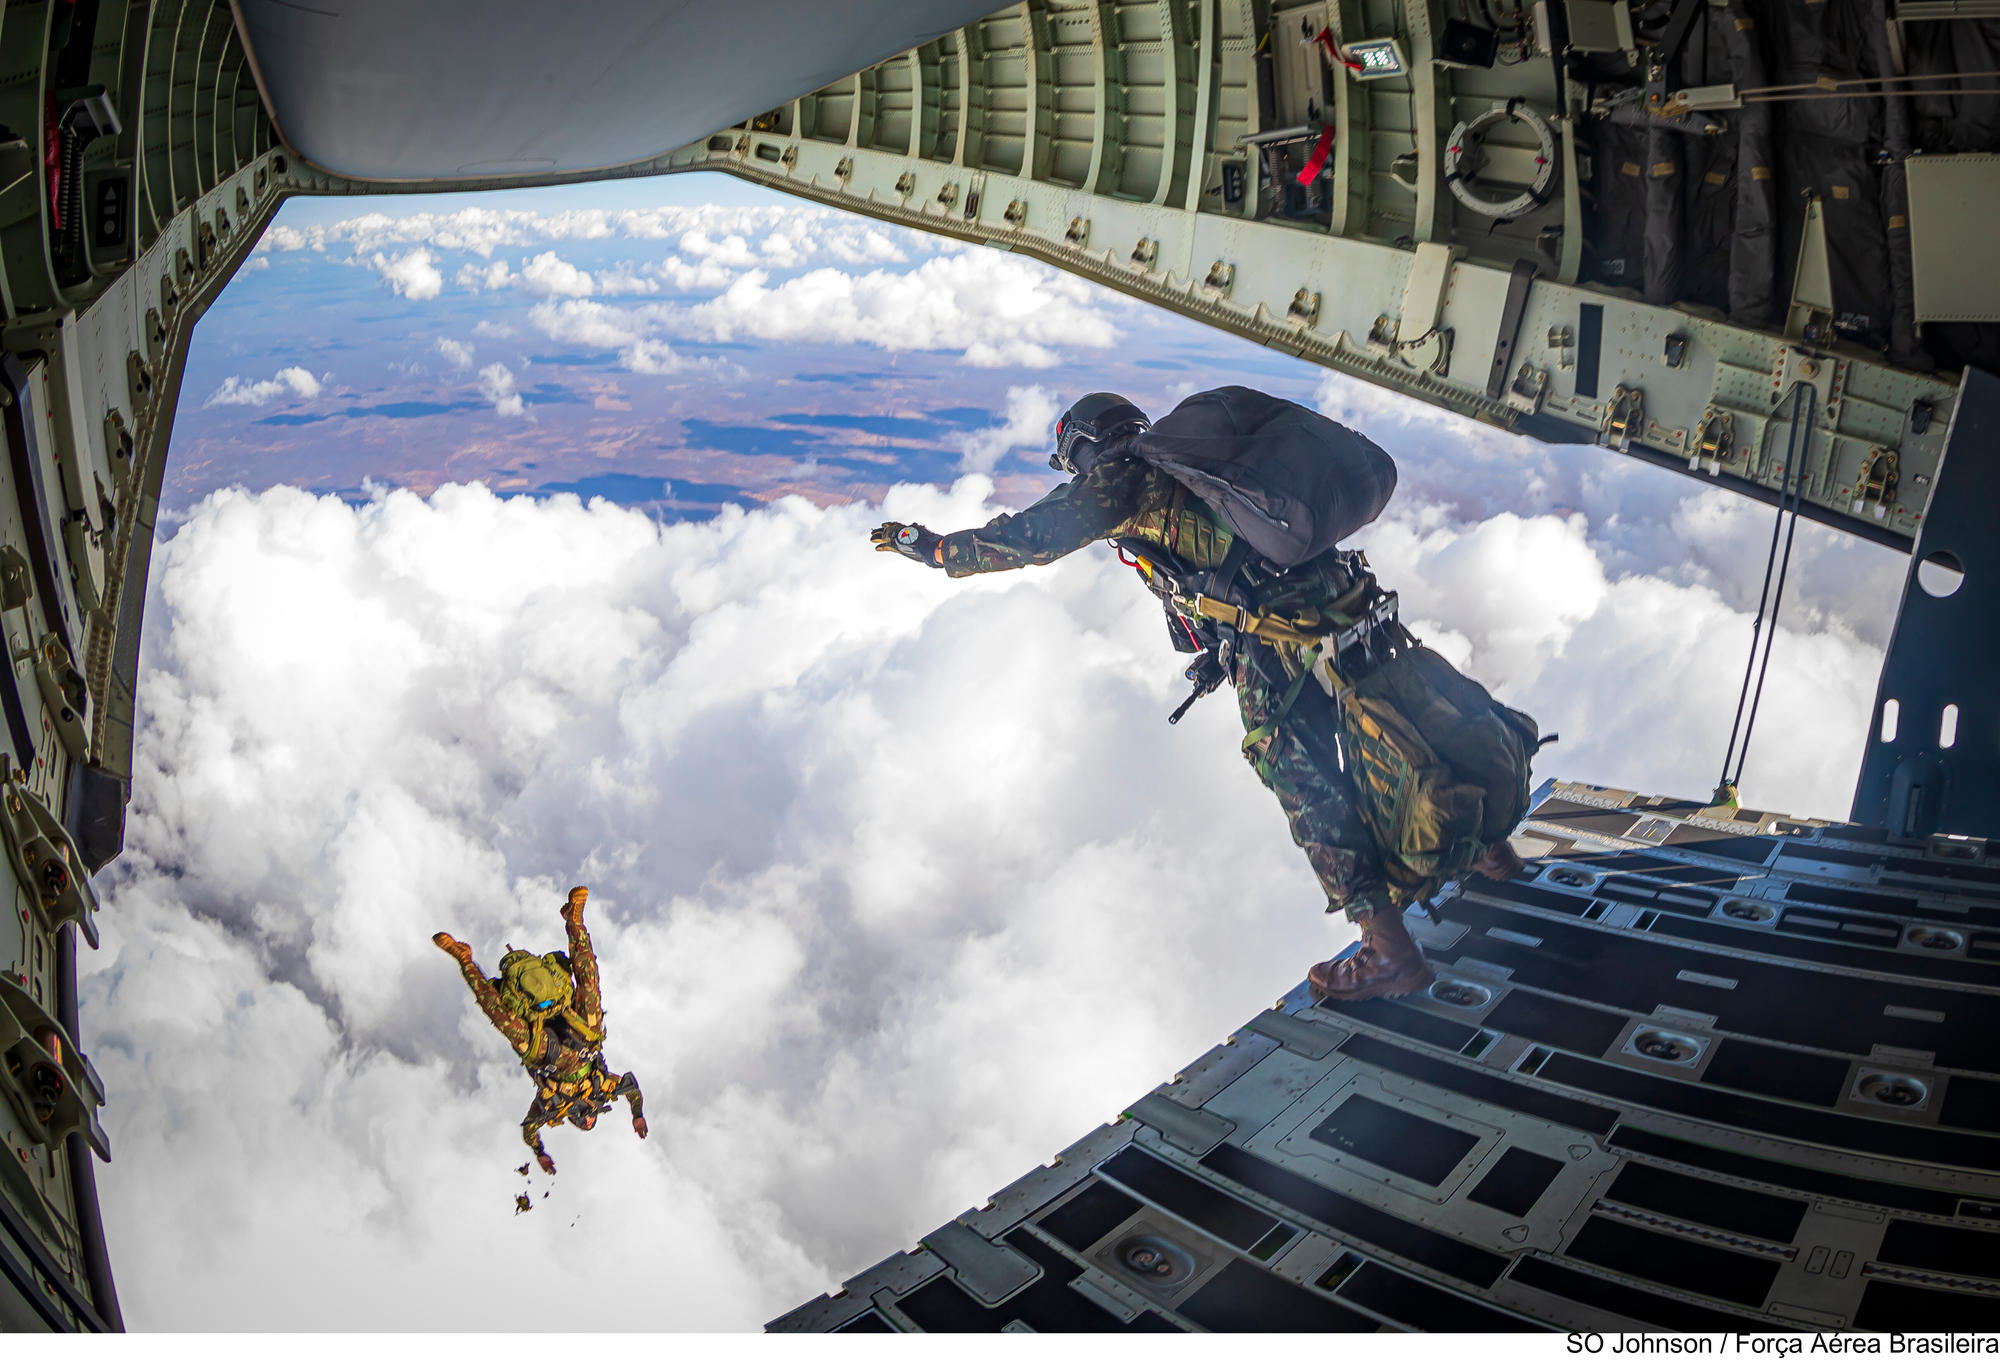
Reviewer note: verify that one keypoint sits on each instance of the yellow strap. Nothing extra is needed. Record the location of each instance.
(1335, 679)
(1266, 627)
(583, 1031)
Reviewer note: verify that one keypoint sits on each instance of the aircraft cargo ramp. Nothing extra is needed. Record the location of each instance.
(1702, 1069)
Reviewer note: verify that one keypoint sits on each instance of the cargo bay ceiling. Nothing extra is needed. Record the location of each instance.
(385, 90)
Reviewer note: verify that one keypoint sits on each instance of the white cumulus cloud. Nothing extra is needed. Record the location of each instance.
(410, 275)
(594, 325)
(290, 381)
(994, 309)
(496, 386)
(1029, 423)
(991, 309)
(626, 278)
(476, 278)
(549, 275)
(775, 235)
(651, 356)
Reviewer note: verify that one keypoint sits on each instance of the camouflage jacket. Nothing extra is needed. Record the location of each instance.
(558, 1051)
(1126, 498)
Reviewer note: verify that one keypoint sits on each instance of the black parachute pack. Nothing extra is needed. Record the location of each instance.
(1284, 478)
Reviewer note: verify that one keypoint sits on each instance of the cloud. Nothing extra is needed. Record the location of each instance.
(592, 325)
(651, 356)
(293, 381)
(732, 251)
(995, 309)
(496, 385)
(254, 263)
(777, 235)
(1029, 424)
(482, 278)
(493, 330)
(625, 278)
(456, 352)
(834, 827)
(411, 274)
(548, 275)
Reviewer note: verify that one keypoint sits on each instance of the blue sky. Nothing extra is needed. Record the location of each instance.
(520, 541)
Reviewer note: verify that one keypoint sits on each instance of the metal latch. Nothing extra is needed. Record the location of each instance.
(1623, 417)
(65, 697)
(49, 1083)
(1714, 441)
(1875, 488)
(1525, 393)
(45, 858)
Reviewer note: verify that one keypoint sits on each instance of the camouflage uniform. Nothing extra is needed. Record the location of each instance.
(1124, 498)
(572, 1080)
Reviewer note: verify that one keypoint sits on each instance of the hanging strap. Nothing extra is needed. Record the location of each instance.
(1291, 697)
(1316, 162)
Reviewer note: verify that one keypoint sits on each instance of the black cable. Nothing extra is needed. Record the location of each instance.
(1756, 629)
(1777, 603)
(1790, 490)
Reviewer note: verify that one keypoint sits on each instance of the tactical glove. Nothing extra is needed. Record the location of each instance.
(913, 541)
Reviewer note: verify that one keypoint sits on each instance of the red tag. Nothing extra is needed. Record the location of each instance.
(1325, 40)
(1317, 161)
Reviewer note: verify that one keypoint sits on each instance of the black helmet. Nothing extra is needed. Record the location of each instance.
(1091, 422)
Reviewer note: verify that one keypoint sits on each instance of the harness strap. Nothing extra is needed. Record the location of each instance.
(587, 1033)
(1267, 627)
(1291, 697)
(1223, 579)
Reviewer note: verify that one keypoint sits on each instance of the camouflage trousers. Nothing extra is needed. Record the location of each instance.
(578, 1099)
(1300, 763)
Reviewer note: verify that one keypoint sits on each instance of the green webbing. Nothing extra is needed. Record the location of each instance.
(1306, 663)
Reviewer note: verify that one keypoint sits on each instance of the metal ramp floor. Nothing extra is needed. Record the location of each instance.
(1702, 1069)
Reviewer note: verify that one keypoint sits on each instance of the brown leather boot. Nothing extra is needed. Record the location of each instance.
(1499, 862)
(1387, 962)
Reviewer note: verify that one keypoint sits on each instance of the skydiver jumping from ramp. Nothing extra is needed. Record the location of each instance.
(550, 1008)
(1396, 773)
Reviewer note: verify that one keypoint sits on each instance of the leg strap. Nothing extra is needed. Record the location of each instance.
(1291, 697)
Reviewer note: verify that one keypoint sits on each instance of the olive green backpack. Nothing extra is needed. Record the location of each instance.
(1441, 766)
(538, 988)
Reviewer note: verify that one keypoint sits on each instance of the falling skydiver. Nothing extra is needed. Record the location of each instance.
(550, 1008)
(1230, 508)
